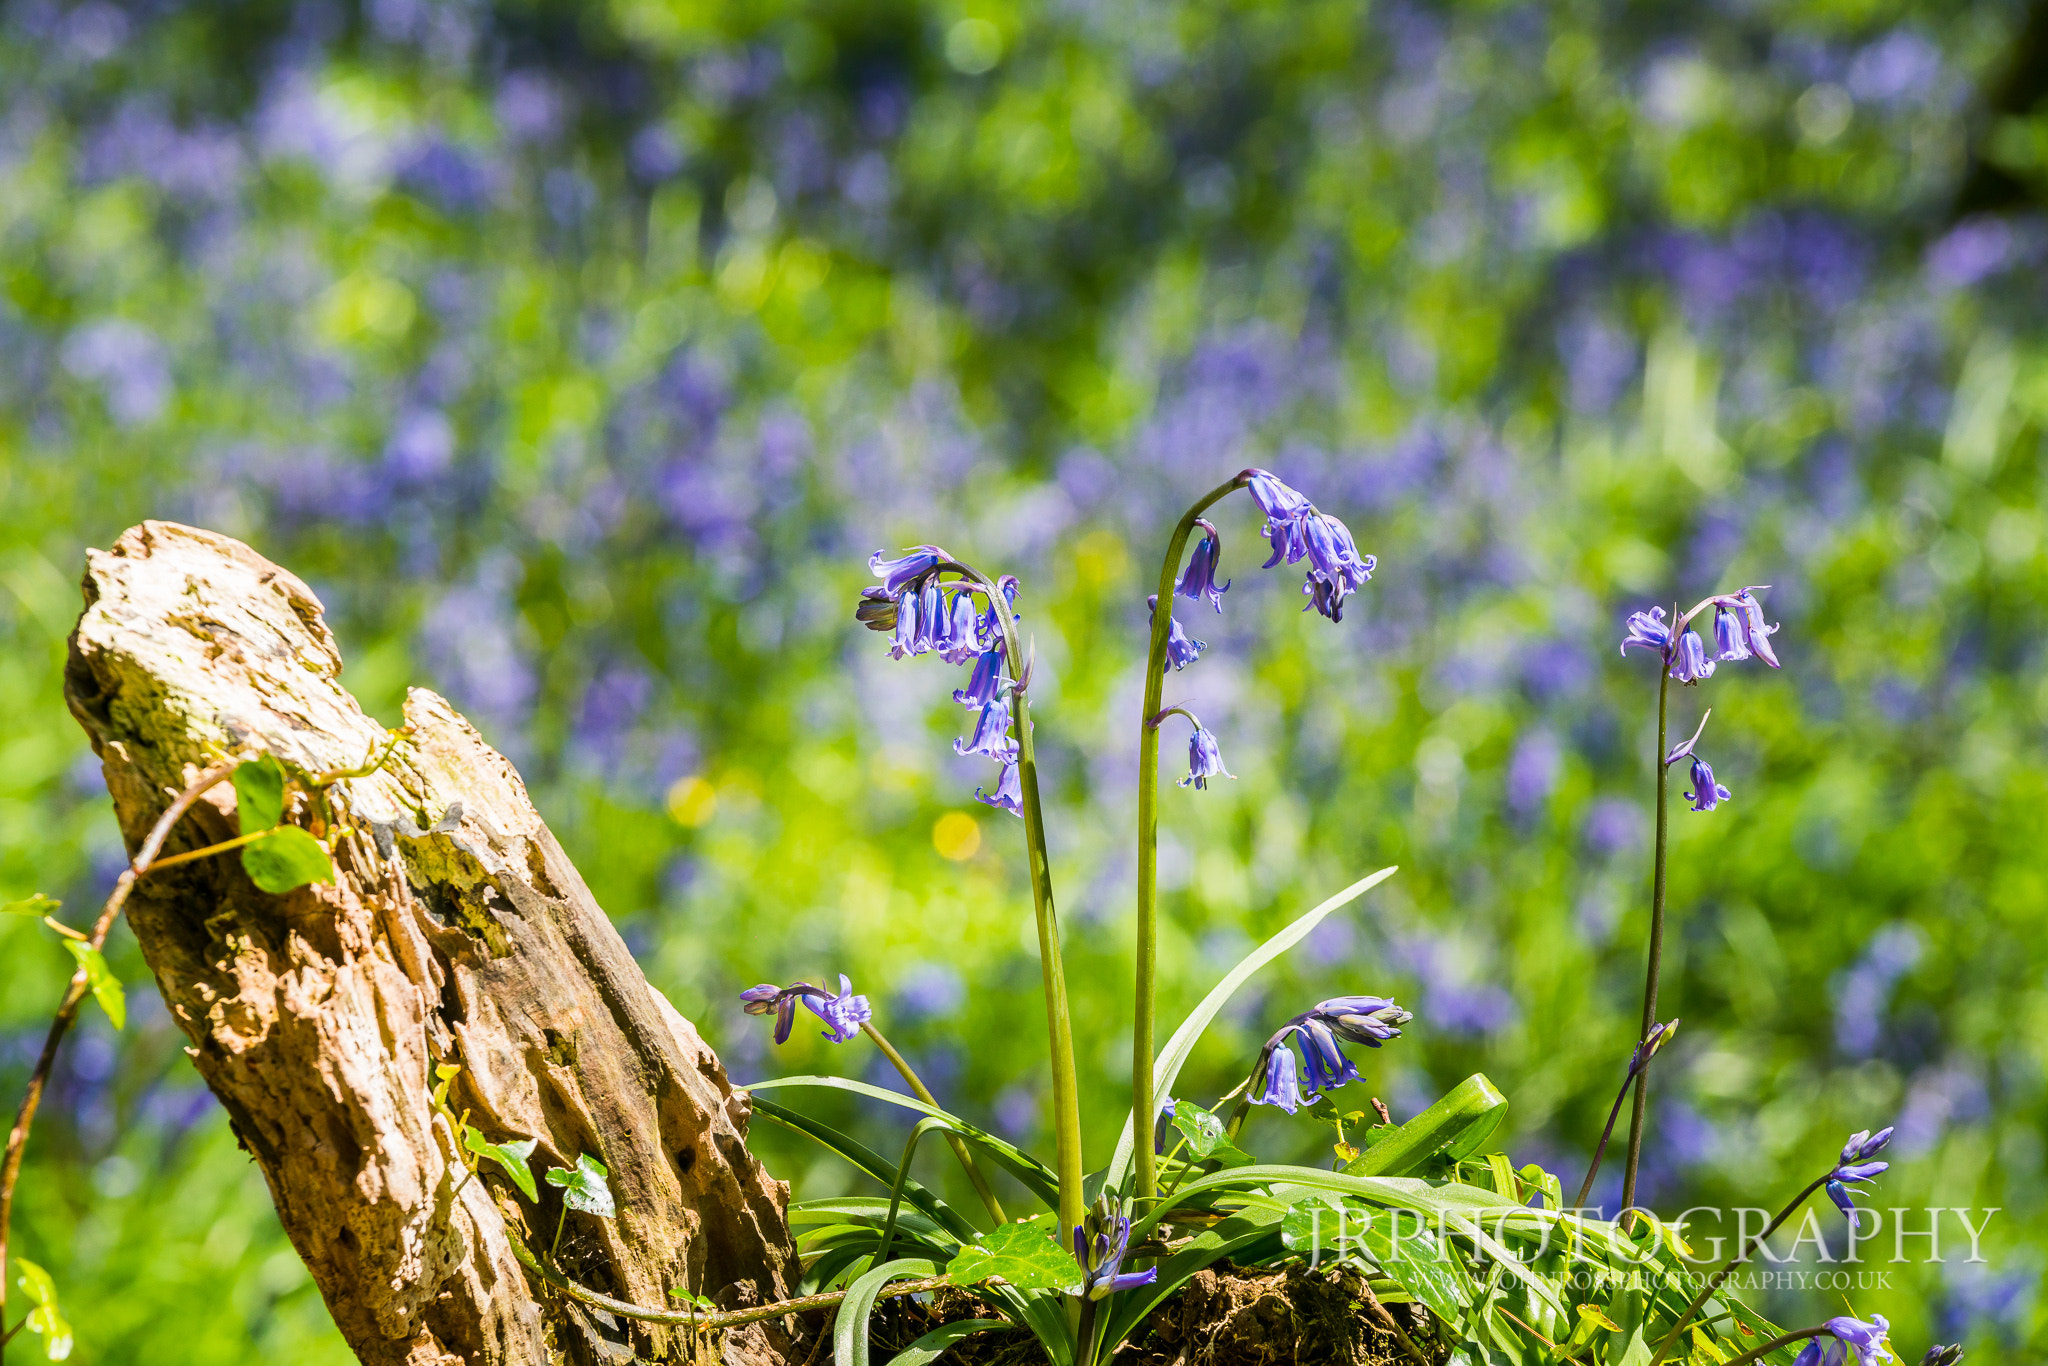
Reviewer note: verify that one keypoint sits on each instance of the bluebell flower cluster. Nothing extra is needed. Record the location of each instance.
(1846, 1335)
(1740, 632)
(1101, 1242)
(924, 615)
(1855, 1168)
(842, 1011)
(1278, 1080)
(1296, 530)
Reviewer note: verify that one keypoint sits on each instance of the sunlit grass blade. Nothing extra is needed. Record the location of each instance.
(871, 1162)
(850, 1329)
(1036, 1177)
(1172, 1057)
(927, 1348)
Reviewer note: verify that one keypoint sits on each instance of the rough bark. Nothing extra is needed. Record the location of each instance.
(456, 932)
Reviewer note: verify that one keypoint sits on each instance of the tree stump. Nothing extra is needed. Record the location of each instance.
(456, 932)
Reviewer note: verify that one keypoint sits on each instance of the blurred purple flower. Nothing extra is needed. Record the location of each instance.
(1533, 771)
(128, 363)
(1971, 251)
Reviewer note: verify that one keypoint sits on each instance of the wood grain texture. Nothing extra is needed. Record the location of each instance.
(457, 932)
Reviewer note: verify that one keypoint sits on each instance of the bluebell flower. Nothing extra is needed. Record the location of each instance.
(1855, 1168)
(1181, 649)
(1328, 1068)
(1731, 642)
(1647, 631)
(1689, 662)
(1101, 1242)
(991, 733)
(1370, 1020)
(1274, 498)
(1706, 794)
(909, 626)
(1009, 793)
(959, 638)
(1198, 580)
(843, 1012)
(899, 573)
(1283, 1086)
(984, 683)
(1757, 632)
(989, 626)
(1866, 1340)
(1205, 760)
(1938, 1355)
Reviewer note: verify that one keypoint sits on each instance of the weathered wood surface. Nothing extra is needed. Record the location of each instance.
(457, 932)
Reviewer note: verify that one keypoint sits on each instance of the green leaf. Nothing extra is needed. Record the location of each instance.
(927, 1348)
(512, 1157)
(32, 905)
(850, 1329)
(1457, 1124)
(871, 1162)
(1023, 1253)
(45, 1320)
(583, 1187)
(1206, 1135)
(286, 858)
(1171, 1058)
(259, 794)
(106, 988)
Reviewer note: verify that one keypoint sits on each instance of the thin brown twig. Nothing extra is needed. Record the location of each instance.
(67, 1012)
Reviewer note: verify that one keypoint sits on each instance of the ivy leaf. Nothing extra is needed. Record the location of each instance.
(106, 988)
(45, 1320)
(1206, 1136)
(583, 1187)
(259, 793)
(287, 857)
(32, 905)
(1022, 1253)
(511, 1156)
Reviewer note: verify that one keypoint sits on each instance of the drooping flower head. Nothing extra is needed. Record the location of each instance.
(1647, 631)
(1205, 759)
(1356, 1019)
(1181, 648)
(1856, 1169)
(1101, 1242)
(1009, 793)
(1689, 662)
(843, 1012)
(1706, 794)
(1198, 581)
(1296, 530)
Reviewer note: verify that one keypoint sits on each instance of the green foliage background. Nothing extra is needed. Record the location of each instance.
(578, 355)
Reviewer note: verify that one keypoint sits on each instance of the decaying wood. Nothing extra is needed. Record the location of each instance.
(456, 932)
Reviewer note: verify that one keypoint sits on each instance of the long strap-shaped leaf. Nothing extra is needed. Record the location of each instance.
(917, 1133)
(927, 1348)
(871, 1162)
(850, 1329)
(1040, 1179)
(1175, 1055)
(1457, 1124)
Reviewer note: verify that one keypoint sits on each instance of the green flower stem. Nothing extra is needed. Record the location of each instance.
(1742, 1255)
(953, 1141)
(1638, 1114)
(1066, 1099)
(1144, 1105)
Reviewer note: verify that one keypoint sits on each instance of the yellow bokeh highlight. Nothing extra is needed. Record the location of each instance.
(957, 836)
(692, 802)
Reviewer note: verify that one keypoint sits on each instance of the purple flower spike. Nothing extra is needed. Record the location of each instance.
(1647, 631)
(1855, 1169)
(843, 1011)
(907, 568)
(1283, 1086)
(1706, 794)
(1866, 1340)
(1689, 663)
(1198, 581)
(1009, 793)
(1102, 1256)
(1205, 760)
